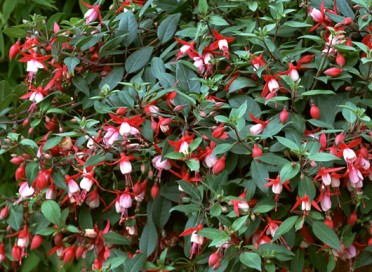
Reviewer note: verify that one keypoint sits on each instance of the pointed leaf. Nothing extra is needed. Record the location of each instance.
(138, 59)
(51, 210)
(251, 259)
(168, 27)
(326, 235)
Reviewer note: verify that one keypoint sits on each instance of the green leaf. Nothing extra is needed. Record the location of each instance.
(113, 78)
(326, 235)
(307, 187)
(288, 143)
(128, 25)
(286, 226)
(51, 210)
(193, 164)
(241, 83)
(324, 157)
(138, 59)
(187, 208)
(136, 264)
(168, 27)
(71, 63)
(15, 217)
(161, 211)
(28, 142)
(190, 189)
(238, 223)
(185, 76)
(296, 24)
(251, 259)
(114, 262)
(149, 239)
(259, 175)
(348, 111)
(116, 239)
(212, 233)
(221, 148)
(32, 170)
(217, 20)
(203, 7)
(52, 142)
(15, 32)
(317, 92)
(264, 205)
(289, 171)
(344, 7)
(94, 160)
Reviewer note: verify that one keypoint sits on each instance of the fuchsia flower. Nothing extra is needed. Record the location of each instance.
(258, 62)
(222, 43)
(186, 48)
(196, 240)
(160, 164)
(182, 145)
(258, 127)
(305, 204)
(92, 13)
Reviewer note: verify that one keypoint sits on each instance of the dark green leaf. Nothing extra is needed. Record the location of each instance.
(251, 259)
(129, 26)
(326, 235)
(52, 142)
(241, 83)
(307, 187)
(168, 27)
(288, 143)
(32, 169)
(221, 148)
(286, 226)
(149, 239)
(259, 175)
(51, 210)
(138, 59)
(116, 239)
(161, 211)
(94, 160)
(187, 208)
(71, 63)
(113, 78)
(324, 157)
(289, 171)
(344, 8)
(15, 218)
(15, 32)
(185, 77)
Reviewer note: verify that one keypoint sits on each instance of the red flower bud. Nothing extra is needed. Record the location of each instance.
(16, 253)
(352, 219)
(36, 242)
(58, 239)
(340, 60)
(305, 59)
(155, 191)
(79, 252)
(333, 72)
(370, 242)
(314, 111)
(323, 140)
(213, 259)
(20, 172)
(4, 213)
(283, 116)
(14, 50)
(219, 165)
(17, 160)
(347, 21)
(256, 151)
(121, 111)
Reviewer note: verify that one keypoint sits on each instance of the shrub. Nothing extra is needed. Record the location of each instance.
(192, 136)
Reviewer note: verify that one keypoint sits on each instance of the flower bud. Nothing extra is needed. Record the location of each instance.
(314, 111)
(283, 116)
(36, 242)
(213, 259)
(14, 50)
(56, 28)
(256, 151)
(4, 213)
(340, 60)
(329, 223)
(219, 166)
(155, 191)
(20, 172)
(333, 72)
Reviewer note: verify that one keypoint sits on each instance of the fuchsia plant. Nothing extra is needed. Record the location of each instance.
(191, 136)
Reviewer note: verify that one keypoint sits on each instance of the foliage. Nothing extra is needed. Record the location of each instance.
(191, 136)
